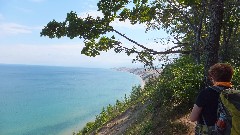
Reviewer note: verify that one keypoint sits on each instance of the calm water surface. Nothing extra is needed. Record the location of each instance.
(43, 100)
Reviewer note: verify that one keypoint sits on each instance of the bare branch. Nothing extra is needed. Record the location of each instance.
(155, 52)
(150, 51)
(123, 35)
(176, 39)
(172, 52)
(180, 45)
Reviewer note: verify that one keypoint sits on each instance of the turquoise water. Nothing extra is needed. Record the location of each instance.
(43, 100)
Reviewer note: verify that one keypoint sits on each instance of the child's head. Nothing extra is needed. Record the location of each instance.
(221, 72)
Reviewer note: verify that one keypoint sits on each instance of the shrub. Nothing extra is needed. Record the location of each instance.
(179, 82)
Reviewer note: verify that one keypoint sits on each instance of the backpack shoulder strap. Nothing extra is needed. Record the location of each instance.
(218, 89)
(221, 106)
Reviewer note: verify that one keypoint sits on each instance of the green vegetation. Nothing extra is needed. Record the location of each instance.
(166, 98)
(208, 30)
(204, 32)
(171, 96)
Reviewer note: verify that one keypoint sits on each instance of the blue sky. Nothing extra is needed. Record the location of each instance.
(21, 22)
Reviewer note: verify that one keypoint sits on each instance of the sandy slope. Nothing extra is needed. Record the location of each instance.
(118, 125)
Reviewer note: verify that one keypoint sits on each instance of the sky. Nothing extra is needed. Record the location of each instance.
(21, 22)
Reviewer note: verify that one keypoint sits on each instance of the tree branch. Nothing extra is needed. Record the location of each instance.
(150, 51)
(123, 35)
(180, 45)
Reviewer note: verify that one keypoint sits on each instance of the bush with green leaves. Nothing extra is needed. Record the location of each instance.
(236, 78)
(179, 82)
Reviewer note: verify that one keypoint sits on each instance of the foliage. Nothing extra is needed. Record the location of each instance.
(208, 30)
(187, 21)
(171, 95)
(230, 34)
(143, 125)
(236, 78)
(179, 82)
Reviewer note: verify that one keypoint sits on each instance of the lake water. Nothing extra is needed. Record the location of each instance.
(42, 100)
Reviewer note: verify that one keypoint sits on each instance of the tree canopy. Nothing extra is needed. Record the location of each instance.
(208, 30)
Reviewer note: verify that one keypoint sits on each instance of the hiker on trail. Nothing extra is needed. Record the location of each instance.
(205, 110)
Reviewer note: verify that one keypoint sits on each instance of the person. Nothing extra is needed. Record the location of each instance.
(205, 108)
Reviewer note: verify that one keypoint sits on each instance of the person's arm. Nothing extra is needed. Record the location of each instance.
(194, 116)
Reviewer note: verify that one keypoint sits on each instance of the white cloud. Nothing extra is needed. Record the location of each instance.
(92, 13)
(118, 24)
(14, 29)
(127, 24)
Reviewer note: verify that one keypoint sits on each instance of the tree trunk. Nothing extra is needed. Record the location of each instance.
(212, 46)
(226, 47)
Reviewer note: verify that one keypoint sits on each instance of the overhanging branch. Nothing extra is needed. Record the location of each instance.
(150, 51)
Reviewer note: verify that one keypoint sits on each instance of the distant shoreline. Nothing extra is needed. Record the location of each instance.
(144, 74)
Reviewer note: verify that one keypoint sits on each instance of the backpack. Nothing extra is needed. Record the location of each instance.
(228, 122)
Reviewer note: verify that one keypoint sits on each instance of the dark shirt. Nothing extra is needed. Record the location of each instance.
(208, 100)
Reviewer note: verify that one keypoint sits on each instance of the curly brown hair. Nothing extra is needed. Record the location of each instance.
(221, 72)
